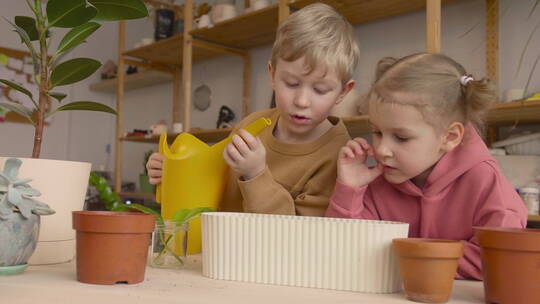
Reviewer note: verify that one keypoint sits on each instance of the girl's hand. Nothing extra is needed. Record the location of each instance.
(246, 155)
(352, 169)
(154, 167)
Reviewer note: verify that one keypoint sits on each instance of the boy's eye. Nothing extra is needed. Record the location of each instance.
(376, 133)
(320, 92)
(401, 138)
(292, 84)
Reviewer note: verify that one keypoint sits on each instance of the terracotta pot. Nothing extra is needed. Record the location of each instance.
(510, 264)
(112, 247)
(428, 267)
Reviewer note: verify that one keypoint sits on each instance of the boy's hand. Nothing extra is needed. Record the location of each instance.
(246, 155)
(155, 168)
(352, 169)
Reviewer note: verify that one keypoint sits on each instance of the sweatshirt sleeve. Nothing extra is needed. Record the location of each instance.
(500, 207)
(263, 194)
(352, 202)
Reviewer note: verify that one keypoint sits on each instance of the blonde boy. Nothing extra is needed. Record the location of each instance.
(290, 168)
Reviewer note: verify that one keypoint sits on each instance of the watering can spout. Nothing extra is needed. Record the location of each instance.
(194, 175)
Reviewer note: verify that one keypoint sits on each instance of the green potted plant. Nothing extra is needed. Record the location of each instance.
(19, 218)
(112, 246)
(51, 70)
(144, 184)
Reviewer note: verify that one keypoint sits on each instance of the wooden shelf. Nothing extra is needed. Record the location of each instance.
(134, 81)
(534, 218)
(213, 135)
(515, 112)
(362, 11)
(169, 51)
(246, 31)
(137, 194)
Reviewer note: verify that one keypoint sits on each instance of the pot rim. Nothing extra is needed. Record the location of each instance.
(109, 213)
(428, 248)
(507, 230)
(47, 159)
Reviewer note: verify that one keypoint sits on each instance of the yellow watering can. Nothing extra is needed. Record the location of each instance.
(194, 175)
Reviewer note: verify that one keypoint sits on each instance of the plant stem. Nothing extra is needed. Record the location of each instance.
(44, 82)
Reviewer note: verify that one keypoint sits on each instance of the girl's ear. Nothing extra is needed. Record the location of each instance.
(453, 136)
(345, 90)
(271, 73)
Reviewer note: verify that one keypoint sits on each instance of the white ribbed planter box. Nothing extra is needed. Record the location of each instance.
(342, 254)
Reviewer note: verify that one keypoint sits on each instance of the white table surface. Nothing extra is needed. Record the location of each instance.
(58, 284)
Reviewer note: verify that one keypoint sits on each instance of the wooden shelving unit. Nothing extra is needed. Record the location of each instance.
(362, 11)
(237, 36)
(517, 112)
(210, 136)
(134, 81)
(246, 31)
(534, 218)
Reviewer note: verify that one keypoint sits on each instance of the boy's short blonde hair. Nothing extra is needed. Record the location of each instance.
(320, 34)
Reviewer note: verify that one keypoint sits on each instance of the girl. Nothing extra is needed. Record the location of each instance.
(433, 170)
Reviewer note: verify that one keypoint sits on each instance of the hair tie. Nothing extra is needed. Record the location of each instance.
(465, 80)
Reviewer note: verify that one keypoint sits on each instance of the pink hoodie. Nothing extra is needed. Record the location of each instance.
(465, 189)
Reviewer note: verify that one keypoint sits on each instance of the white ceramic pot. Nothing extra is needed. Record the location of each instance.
(63, 187)
(222, 12)
(258, 4)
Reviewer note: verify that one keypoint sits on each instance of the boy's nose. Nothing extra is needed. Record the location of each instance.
(302, 99)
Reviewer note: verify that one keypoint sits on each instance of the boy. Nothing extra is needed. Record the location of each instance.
(290, 168)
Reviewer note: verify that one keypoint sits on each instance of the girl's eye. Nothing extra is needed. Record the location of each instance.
(376, 133)
(401, 138)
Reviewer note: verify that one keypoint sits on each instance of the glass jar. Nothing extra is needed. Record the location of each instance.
(169, 244)
(530, 196)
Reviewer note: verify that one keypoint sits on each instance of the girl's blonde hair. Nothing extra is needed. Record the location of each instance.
(320, 34)
(433, 84)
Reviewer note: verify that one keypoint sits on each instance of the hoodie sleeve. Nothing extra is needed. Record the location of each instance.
(499, 206)
(352, 202)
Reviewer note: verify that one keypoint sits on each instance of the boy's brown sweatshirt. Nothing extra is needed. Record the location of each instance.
(298, 179)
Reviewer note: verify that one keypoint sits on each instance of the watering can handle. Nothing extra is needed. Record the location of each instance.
(254, 128)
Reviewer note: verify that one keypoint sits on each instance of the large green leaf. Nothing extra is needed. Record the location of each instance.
(57, 95)
(69, 13)
(86, 106)
(73, 70)
(183, 216)
(112, 10)
(77, 36)
(28, 24)
(17, 108)
(17, 87)
(25, 39)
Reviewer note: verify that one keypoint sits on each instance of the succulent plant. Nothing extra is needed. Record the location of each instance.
(16, 195)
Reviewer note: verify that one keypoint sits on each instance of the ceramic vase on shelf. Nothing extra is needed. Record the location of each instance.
(164, 24)
(223, 10)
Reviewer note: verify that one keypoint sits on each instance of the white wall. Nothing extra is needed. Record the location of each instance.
(83, 135)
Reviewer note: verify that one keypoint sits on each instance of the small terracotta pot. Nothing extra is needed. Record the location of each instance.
(510, 264)
(112, 247)
(428, 267)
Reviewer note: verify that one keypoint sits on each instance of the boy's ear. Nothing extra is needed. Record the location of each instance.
(453, 136)
(345, 90)
(271, 72)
